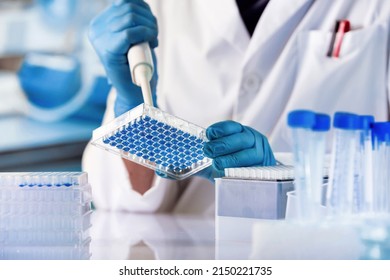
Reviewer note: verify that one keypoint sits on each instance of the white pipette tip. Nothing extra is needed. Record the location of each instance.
(267, 173)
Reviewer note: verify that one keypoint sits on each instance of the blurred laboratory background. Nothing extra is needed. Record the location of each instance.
(53, 89)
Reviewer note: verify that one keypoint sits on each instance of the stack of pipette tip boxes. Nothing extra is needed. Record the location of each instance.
(155, 139)
(45, 215)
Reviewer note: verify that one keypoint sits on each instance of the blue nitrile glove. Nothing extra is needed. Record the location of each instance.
(234, 145)
(122, 25)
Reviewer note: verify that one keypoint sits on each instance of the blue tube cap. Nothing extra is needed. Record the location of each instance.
(365, 122)
(381, 131)
(322, 122)
(346, 121)
(301, 119)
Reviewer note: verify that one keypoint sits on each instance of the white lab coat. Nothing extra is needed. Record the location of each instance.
(210, 70)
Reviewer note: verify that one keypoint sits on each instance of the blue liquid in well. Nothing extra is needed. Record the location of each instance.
(159, 143)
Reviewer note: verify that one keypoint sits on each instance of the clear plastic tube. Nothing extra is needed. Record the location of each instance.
(302, 171)
(381, 165)
(301, 122)
(375, 226)
(340, 196)
(365, 186)
(317, 156)
(341, 184)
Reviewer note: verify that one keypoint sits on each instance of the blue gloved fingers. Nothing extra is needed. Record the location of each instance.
(129, 21)
(229, 144)
(141, 34)
(140, 8)
(96, 27)
(121, 2)
(102, 20)
(129, 95)
(112, 33)
(262, 144)
(222, 129)
(116, 52)
(234, 145)
(118, 18)
(244, 158)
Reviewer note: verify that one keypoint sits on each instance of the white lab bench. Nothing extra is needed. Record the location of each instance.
(121, 236)
(118, 236)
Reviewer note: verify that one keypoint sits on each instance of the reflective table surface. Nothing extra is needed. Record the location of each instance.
(175, 237)
(122, 236)
(158, 236)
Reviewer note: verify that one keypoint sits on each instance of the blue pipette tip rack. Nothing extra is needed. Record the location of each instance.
(155, 139)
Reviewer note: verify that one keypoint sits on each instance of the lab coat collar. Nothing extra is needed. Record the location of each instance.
(224, 17)
(277, 15)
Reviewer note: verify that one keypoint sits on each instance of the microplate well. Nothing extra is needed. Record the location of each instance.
(155, 139)
(44, 179)
(48, 187)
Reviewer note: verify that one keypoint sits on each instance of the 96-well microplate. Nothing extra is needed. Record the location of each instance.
(155, 139)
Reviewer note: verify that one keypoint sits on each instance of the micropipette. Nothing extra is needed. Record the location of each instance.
(141, 69)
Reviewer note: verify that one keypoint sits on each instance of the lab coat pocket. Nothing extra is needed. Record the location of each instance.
(356, 81)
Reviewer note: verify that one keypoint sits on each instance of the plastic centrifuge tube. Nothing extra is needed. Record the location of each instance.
(301, 122)
(364, 191)
(317, 156)
(342, 171)
(381, 165)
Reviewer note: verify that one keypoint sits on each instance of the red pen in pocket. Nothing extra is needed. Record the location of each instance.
(342, 27)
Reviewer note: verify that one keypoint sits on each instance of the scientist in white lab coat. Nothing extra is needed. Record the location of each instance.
(220, 60)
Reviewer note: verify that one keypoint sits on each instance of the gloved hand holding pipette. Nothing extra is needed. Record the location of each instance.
(121, 36)
(121, 26)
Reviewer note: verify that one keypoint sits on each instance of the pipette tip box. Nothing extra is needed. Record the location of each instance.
(246, 195)
(252, 198)
(155, 139)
